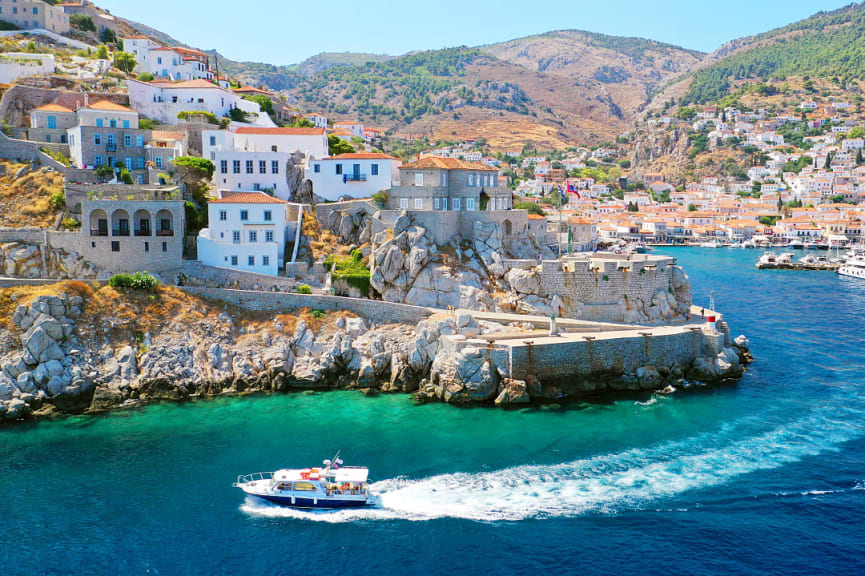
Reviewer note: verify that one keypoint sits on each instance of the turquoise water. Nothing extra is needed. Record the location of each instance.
(767, 476)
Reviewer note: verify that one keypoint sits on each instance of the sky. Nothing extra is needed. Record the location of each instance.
(286, 32)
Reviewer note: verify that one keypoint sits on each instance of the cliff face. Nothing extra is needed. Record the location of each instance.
(70, 348)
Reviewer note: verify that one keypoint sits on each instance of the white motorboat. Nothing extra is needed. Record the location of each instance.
(710, 244)
(854, 267)
(328, 487)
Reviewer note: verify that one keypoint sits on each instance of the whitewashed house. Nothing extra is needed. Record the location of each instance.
(356, 175)
(175, 64)
(163, 101)
(15, 65)
(248, 231)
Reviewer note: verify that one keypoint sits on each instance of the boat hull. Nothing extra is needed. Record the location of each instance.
(852, 272)
(311, 503)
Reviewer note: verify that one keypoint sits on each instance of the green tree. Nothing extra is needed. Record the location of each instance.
(692, 208)
(125, 61)
(301, 122)
(146, 77)
(126, 177)
(859, 159)
(337, 146)
(828, 164)
(102, 52)
(531, 207)
(82, 22)
(104, 172)
(108, 36)
(686, 113)
(265, 103)
(203, 166)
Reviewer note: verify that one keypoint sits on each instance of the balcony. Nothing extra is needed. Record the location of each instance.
(120, 232)
(143, 233)
(111, 147)
(353, 178)
(165, 232)
(98, 232)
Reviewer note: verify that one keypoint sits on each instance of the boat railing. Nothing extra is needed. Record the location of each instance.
(254, 477)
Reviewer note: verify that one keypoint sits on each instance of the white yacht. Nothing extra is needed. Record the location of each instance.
(854, 266)
(710, 244)
(331, 486)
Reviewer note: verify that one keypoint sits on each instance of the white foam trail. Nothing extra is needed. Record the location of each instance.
(604, 484)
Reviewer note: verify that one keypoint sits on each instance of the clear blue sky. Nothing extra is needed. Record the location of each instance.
(286, 32)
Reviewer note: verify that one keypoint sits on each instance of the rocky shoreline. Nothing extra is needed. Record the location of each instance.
(72, 349)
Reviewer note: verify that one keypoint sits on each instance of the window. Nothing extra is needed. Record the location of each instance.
(165, 246)
(98, 160)
(115, 246)
(265, 260)
(274, 167)
(126, 124)
(139, 141)
(100, 123)
(268, 215)
(471, 179)
(235, 166)
(268, 236)
(418, 203)
(456, 202)
(158, 161)
(223, 215)
(262, 166)
(251, 260)
(147, 246)
(128, 162)
(256, 186)
(97, 139)
(223, 167)
(437, 203)
(403, 203)
(113, 123)
(418, 179)
(250, 167)
(110, 142)
(235, 236)
(373, 169)
(443, 179)
(139, 162)
(244, 214)
(316, 168)
(253, 236)
(234, 260)
(274, 149)
(52, 122)
(470, 204)
(339, 168)
(127, 140)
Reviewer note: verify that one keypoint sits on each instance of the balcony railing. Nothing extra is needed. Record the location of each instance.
(143, 233)
(165, 232)
(354, 178)
(120, 232)
(98, 232)
(111, 147)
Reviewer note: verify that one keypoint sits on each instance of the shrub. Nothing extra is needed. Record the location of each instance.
(82, 22)
(380, 197)
(188, 115)
(58, 200)
(146, 77)
(126, 177)
(137, 281)
(71, 224)
(304, 289)
(352, 271)
(237, 115)
(318, 314)
(531, 207)
(203, 165)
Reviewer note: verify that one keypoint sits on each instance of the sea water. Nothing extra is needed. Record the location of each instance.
(764, 476)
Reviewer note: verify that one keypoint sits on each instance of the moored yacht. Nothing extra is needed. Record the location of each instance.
(329, 487)
(854, 266)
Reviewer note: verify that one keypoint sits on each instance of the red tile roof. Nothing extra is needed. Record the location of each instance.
(281, 131)
(362, 156)
(247, 198)
(110, 106)
(52, 108)
(437, 163)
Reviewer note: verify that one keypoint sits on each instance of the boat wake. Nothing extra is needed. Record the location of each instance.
(605, 484)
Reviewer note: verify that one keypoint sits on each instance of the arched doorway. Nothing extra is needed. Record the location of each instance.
(120, 223)
(143, 223)
(98, 223)
(164, 223)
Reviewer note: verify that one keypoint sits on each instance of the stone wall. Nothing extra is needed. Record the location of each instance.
(571, 360)
(23, 151)
(197, 274)
(376, 311)
(27, 235)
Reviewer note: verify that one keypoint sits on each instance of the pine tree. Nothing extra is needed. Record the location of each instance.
(859, 159)
(828, 165)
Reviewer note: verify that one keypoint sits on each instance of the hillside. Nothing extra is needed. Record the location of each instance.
(826, 45)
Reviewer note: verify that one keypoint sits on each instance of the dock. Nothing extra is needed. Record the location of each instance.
(820, 266)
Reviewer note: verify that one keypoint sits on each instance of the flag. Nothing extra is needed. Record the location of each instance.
(562, 194)
(573, 190)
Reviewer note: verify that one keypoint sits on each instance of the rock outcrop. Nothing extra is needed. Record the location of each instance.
(22, 260)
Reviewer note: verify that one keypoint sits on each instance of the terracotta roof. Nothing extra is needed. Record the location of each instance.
(252, 89)
(248, 198)
(281, 131)
(52, 108)
(362, 156)
(537, 217)
(185, 84)
(437, 163)
(110, 106)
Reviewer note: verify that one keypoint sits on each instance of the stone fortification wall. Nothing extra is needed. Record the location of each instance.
(196, 274)
(571, 360)
(23, 151)
(376, 311)
(26, 235)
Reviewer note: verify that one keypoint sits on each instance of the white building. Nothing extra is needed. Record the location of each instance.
(254, 159)
(171, 63)
(317, 119)
(15, 65)
(356, 175)
(163, 101)
(248, 232)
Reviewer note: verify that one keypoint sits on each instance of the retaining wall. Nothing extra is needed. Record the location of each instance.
(27, 235)
(377, 311)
